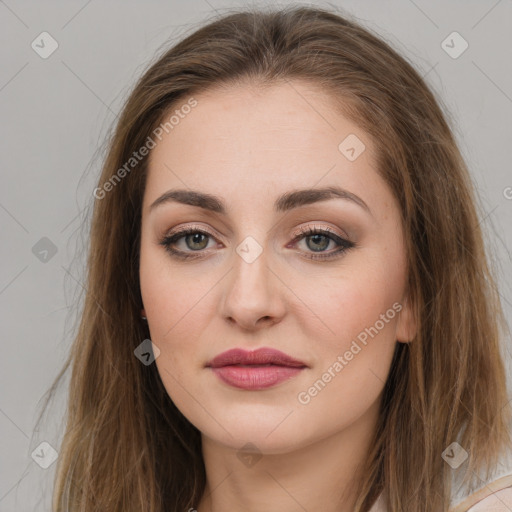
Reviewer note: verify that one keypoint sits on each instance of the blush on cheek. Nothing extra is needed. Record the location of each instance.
(369, 332)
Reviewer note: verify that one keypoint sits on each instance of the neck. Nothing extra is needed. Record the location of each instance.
(323, 474)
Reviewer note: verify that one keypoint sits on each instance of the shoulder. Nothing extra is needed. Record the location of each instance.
(498, 501)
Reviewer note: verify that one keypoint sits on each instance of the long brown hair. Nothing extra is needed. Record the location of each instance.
(126, 446)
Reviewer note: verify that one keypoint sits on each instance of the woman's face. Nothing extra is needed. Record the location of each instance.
(255, 277)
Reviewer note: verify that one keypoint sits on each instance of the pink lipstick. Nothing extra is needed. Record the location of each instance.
(259, 369)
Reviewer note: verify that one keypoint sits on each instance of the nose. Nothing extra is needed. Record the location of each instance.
(253, 296)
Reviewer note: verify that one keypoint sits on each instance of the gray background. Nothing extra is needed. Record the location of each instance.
(57, 111)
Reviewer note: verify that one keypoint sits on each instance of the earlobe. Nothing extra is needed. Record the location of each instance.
(406, 323)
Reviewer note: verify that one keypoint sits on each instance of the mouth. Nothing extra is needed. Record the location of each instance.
(253, 365)
(261, 357)
(257, 370)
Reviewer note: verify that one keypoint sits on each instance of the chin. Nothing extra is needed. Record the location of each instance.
(264, 435)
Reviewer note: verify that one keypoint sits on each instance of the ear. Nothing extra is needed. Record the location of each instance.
(143, 313)
(406, 326)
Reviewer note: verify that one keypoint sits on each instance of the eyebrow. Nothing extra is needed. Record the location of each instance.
(285, 202)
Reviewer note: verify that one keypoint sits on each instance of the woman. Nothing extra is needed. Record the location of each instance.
(289, 305)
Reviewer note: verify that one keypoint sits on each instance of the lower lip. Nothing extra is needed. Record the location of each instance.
(255, 377)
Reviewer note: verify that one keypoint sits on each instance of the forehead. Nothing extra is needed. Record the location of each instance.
(297, 114)
(260, 140)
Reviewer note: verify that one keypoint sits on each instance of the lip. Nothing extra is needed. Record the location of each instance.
(264, 355)
(258, 369)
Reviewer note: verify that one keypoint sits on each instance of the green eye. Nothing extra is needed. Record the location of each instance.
(317, 239)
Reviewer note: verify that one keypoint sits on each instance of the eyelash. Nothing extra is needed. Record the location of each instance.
(344, 245)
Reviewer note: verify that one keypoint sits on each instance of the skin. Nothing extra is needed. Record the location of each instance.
(248, 146)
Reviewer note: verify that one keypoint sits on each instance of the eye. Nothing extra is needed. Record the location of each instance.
(317, 240)
(195, 239)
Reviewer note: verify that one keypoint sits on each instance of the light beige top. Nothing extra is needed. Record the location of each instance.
(495, 496)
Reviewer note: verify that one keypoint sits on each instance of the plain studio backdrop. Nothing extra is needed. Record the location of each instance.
(66, 69)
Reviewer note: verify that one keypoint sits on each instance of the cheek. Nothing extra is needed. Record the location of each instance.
(354, 354)
(179, 307)
(351, 305)
(178, 312)
(168, 294)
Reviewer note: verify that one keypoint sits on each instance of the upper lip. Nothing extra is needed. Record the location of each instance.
(263, 355)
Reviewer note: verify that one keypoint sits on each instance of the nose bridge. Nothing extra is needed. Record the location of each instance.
(250, 294)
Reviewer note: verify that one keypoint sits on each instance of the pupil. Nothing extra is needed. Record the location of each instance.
(315, 240)
(196, 238)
